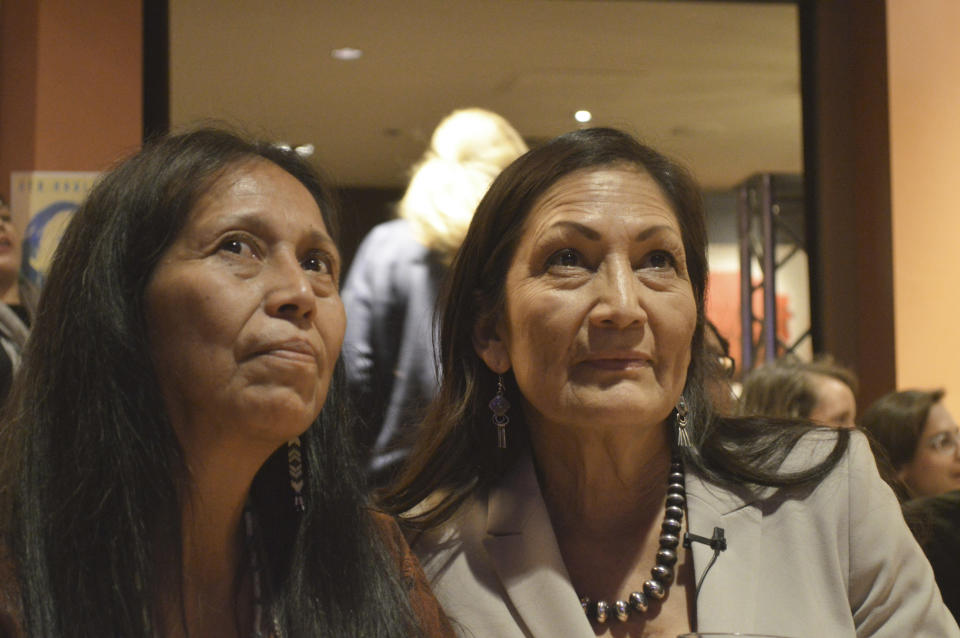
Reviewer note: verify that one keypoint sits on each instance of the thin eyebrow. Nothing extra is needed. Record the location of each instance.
(253, 220)
(586, 231)
(593, 235)
(659, 229)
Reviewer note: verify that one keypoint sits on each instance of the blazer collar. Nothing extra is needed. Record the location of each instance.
(524, 551)
(728, 595)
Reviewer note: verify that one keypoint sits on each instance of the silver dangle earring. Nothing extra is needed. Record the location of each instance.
(295, 466)
(683, 437)
(499, 406)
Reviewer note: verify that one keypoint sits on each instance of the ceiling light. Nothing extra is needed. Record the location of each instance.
(347, 53)
(583, 116)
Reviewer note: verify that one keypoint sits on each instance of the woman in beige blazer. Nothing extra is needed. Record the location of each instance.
(572, 479)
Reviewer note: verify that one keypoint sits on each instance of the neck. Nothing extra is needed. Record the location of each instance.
(216, 599)
(602, 483)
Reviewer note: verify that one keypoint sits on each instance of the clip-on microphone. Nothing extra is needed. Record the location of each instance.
(717, 542)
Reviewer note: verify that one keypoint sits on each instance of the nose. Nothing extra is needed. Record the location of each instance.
(618, 302)
(289, 291)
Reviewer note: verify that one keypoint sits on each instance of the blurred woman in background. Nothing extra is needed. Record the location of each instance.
(916, 434)
(392, 287)
(13, 316)
(820, 390)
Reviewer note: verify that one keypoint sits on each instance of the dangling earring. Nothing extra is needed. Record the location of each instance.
(499, 406)
(295, 466)
(683, 437)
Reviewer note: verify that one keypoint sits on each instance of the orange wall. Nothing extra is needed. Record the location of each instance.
(18, 96)
(923, 58)
(71, 84)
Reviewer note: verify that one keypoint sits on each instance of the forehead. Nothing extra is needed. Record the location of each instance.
(939, 419)
(617, 190)
(257, 185)
(831, 386)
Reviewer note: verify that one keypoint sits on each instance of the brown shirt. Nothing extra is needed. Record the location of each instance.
(425, 606)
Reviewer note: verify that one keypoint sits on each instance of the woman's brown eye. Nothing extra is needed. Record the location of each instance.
(233, 246)
(566, 257)
(316, 263)
(661, 259)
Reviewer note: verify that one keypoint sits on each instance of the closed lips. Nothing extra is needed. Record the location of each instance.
(296, 349)
(618, 360)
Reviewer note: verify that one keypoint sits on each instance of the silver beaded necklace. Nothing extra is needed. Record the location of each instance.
(662, 573)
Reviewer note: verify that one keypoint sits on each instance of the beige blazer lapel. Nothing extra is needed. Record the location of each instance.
(523, 549)
(728, 595)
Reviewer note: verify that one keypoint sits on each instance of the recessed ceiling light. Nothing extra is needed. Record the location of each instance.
(347, 53)
(583, 116)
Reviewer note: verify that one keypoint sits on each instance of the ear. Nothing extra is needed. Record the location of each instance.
(489, 344)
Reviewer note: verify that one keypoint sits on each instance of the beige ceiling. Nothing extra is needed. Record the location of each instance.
(715, 84)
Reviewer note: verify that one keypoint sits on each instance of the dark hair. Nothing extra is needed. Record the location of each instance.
(457, 452)
(895, 423)
(93, 468)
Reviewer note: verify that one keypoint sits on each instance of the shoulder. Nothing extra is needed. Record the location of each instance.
(889, 582)
(391, 238)
(11, 609)
(459, 535)
(425, 607)
(387, 255)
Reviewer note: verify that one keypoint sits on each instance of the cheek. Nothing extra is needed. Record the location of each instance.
(677, 325)
(188, 324)
(540, 329)
(331, 324)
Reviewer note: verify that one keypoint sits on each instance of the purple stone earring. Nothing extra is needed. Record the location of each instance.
(499, 406)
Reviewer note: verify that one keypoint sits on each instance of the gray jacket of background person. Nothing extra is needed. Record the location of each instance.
(830, 562)
(388, 348)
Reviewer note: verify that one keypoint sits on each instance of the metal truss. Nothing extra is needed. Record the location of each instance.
(771, 233)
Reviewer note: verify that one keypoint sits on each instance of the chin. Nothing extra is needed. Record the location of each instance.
(282, 418)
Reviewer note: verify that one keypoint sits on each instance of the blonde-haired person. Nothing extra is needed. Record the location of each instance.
(393, 283)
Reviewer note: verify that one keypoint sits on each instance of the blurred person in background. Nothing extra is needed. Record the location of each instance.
(13, 316)
(915, 436)
(820, 390)
(392, 287)
(913, 431)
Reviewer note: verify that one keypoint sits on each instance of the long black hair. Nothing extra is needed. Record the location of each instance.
(456, 452)
(92, 469)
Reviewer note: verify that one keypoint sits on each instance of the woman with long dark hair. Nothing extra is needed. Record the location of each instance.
(176, 460)
(572, 477)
